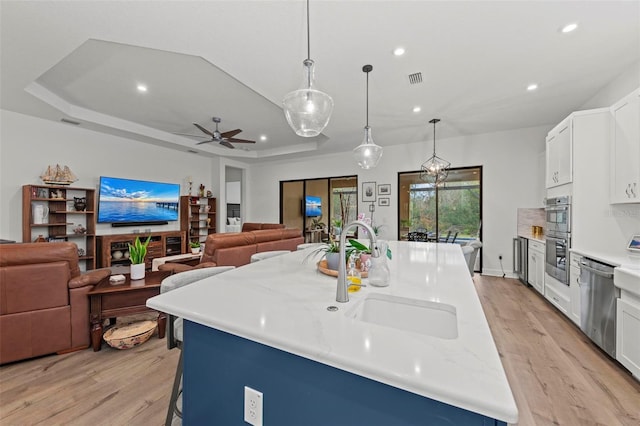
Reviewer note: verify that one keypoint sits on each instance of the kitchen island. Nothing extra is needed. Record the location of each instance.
(266, 325)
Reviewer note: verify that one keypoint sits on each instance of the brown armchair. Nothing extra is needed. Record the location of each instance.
(44, 306)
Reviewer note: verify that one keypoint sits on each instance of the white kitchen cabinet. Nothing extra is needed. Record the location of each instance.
(557, 293)
(628, 334)
(559, 154)
(574, 288)
(625, 150)
(536, 265)
(628, 319)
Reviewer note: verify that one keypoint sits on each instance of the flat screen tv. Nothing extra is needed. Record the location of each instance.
(312, 206)
(125, 202)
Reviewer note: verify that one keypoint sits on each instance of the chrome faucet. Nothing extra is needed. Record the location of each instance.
(342, 295)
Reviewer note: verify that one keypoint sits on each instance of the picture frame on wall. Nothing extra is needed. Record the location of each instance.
(384, 202)
(368, 192)
(384, 189)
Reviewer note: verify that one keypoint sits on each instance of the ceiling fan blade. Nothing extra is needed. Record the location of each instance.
(204, 130)
(227, 144)
(234, 140)
(230, 133)
(200, 143)
(188, 134)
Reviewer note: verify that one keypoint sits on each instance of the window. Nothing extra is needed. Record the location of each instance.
(451, 210)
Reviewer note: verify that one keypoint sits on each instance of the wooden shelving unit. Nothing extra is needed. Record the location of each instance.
(113, 249)
(197, 217)
(62, 218)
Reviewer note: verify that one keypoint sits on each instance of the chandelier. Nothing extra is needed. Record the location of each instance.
(435, 170)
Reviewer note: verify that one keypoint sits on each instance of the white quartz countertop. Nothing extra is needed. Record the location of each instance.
(282, 302)
(630, 260)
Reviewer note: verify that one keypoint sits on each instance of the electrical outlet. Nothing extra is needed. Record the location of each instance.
(499, 257)
(252, 406)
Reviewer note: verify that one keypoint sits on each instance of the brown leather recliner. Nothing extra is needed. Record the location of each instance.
(44, 307)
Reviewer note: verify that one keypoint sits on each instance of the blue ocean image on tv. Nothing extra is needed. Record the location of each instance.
(128, 200)
(313, 206)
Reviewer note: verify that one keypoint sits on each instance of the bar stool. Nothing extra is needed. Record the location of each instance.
(174, 329)
(267, 254)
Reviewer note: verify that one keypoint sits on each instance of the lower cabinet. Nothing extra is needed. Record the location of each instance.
(113, 250)
(574, 288)
(536, 265)
(557, 293)
(628, 333)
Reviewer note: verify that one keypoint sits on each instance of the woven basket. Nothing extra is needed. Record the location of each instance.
(130, 335)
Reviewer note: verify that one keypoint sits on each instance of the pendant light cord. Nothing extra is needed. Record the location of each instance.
(367, 69)
(434, 121)
(308, 34)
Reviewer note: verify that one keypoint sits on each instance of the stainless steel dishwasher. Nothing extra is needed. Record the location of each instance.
(598, 304)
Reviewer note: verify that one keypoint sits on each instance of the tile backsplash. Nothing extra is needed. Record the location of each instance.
(528, 218)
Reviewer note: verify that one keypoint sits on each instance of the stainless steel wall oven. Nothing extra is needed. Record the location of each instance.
(558, 237)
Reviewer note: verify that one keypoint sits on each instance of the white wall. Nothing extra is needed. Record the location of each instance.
(625, 83)
(28, 145)
(512, 178)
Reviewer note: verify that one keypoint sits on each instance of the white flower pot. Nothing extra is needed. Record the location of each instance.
(195, 250)
(137, 271)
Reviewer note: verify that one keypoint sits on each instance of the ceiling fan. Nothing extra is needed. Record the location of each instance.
(224, 138)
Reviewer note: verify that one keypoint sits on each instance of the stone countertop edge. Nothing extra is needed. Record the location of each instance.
(531, 237)
(282, 302)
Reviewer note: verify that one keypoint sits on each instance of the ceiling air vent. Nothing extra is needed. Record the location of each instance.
(415, 78)
(66, 120)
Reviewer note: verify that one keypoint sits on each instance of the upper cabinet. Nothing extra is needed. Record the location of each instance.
(625, 150)
(559, 155)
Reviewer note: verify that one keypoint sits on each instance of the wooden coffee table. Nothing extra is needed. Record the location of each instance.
(108, 300)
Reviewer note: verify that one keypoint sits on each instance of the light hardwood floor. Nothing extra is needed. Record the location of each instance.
(557, 375)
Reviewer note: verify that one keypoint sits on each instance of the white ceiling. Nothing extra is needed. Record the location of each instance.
(237, 59)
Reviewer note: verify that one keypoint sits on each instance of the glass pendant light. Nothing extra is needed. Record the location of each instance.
(367, 154)
(435, 170)
(307, 109)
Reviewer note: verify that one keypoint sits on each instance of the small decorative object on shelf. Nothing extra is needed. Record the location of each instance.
(40, 239)
(80, 203)
(190, 179)
(80, 252)
(79, 229)
(201, 190)
(209, 194)
(56, 175)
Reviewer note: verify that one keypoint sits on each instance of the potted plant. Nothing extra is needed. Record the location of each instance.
(331, 252)
(137, 253)
(195, 247)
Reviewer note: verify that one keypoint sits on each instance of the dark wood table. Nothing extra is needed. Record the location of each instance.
(109, 300)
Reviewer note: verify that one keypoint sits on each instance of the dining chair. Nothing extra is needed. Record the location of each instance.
(174, 332)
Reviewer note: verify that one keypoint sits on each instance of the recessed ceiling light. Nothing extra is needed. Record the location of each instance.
(417, 109)
(141, 88)
(263, 138)
(398, 51)
(570, 27)
(532, 87)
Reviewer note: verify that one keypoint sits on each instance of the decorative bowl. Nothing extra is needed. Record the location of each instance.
(129, 335)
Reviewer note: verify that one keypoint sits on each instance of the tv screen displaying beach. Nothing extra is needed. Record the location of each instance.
(128, 200)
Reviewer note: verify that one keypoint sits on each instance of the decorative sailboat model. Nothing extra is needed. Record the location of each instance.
(56, 175)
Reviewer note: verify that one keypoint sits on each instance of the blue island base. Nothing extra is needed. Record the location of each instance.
(296, 391)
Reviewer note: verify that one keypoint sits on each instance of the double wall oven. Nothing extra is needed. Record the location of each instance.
(558, 237)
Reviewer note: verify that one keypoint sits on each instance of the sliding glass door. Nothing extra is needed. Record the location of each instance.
(319, 206)
(450, 212)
